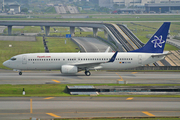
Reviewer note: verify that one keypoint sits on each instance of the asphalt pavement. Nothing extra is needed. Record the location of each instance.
(92, 44)
(97, 77)
(85, 107)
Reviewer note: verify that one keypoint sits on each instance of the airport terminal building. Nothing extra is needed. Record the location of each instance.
(162, 8)
(127, 3)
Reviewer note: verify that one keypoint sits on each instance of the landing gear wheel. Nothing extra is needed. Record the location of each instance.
(20, 73)
(87, 73)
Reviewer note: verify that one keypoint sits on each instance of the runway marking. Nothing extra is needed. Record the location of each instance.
(31, 106)
(120, 77)
(48, 98)
(130, 98)
(147, 113)
(56, 81)
(51, 114)
(134, 72)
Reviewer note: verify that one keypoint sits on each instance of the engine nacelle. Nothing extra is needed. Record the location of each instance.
(69, 69)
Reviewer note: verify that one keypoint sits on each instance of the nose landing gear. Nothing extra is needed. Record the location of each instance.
(20, 73)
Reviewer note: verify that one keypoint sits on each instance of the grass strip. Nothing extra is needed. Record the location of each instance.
(60, 90)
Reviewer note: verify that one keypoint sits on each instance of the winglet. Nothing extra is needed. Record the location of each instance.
(113, 57)
(107, 50)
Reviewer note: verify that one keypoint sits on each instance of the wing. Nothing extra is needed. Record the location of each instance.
(94, 64)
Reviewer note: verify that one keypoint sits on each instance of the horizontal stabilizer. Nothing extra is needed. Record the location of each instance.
(160, 55)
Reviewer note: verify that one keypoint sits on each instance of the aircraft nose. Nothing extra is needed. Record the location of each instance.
(6, 63)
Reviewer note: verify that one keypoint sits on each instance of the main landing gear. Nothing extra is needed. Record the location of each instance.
(87, 73)
(20, 73)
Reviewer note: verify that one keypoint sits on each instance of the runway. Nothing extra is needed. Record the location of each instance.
(97, 77)
(79, 107)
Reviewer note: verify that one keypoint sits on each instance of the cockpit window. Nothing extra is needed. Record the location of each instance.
(13, 59)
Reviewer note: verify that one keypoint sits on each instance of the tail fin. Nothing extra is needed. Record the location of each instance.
(157, 42)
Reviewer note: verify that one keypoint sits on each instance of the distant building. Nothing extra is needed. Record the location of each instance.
(163, 8)
(94, 1)
(106, 3)
(127, 3)
(15, 6)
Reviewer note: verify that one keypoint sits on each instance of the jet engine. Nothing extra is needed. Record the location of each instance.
(69, 69)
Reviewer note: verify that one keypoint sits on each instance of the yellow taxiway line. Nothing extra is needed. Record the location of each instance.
(147, 113)
(130, 98)
(134, 72)
(31, 106)
(120, 77)
(51, 114)
(56, 81)
(48, 98)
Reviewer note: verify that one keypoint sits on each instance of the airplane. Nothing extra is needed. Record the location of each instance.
(72, 63)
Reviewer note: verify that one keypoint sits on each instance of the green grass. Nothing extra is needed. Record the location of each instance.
(60, 90)
(105, 17)
(26, 29)
(144, 28)
(58, 45)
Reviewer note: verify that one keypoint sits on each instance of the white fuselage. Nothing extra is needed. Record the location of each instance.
(54, 61)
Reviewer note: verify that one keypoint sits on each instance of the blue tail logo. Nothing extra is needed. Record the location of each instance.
(157, 42)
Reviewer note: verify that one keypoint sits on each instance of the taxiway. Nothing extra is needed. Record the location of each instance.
(97, 77)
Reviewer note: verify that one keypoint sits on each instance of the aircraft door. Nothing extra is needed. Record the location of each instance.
(24, 59)
(140, 59)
